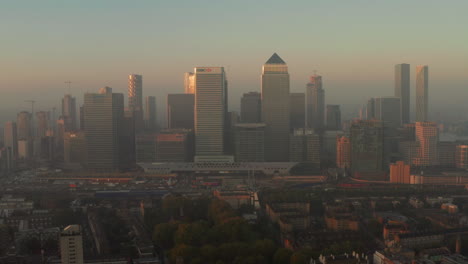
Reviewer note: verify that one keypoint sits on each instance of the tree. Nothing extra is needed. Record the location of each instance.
(184, 251)
(163, 234)
(282, 255)
(298, 258)
(191, 234)
(265, 248)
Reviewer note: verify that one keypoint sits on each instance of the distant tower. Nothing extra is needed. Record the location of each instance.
(180, 111)
(297, 110)
(251, 107)
(69, 112)
(387, 110)
(422, 96)
(367, 144)
(104, 118)
(189, 83)
(23, 123)
(315, 98)
(333, 117)
(343, 152)
(150, 113)
(210, 110)
(427, 135)
(135, 99)
(42, 124)
(275, 108)
(402, 90)
(10, 138)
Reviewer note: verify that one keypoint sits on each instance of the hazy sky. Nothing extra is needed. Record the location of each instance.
(353, 44)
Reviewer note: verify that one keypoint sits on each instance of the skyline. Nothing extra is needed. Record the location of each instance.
(69, 44)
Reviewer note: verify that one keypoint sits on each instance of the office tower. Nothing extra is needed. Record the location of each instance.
(104, 117)
(25, 148)
(427, 135)
(69, 112)
(315, 100)
(366, 146)
(370, 109)
(333, 117)
(387, 110)
(275, 108)
(150, 113)
(447, 154)
(402, 90)
(251, 107)
(296, 110)
(42, 123)
(74, 147)
(343, 152)
(305, 146)
(180, 111)
(174, 145)
(408, 151)
(145, 148)
(210, 110)
(232, 118)
(23, 124)
(400, 172)
(135, 100)
(71, 245)
(461, 156)
(189, 83)
(249, 142)
(10, 139)
(422, 93)
(329, 145)
(82, 124)
(408, 132)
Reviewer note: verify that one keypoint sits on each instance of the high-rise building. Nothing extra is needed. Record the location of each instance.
(135, 100)
(251, 107)
(461, 156)
(145, 147)
(422, 93)
(343, 152)
(23, 124)
(402, 90)
(74, 147)
(69, 112)
(447, 154)
(366, 146)
(10, 139)
(180, 111)
(387, 110)
(174, 145)
(370, 109)
(104, 118)
(150, 113)
(189, 83)
(328, 145)
(315, 100)
(210, 110)
(297, 110)
(275, 108)
(42, 123)
(333, 117)
(408, 151)
(249, 142)
(400, 172)
(305, 146)
(427, 135)
(71, 245)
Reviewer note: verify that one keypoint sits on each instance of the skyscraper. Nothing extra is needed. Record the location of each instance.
(275, 108)
(387, 110)
(180, 111)
(333, 117)
(150, 113)
(402, 90)
(189, 83)
(104, 117)
(174, 145)
(10, 138)
(135, 99)
(251, 107)
(366, 146)
(297, 110)
(210, 110)
(69, 112)
(422, 95)
(315, 100)
(23, 123)
(427, 135)
(42, 123)
(249, 142)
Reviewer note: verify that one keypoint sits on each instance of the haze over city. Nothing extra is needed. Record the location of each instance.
(352, 44)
